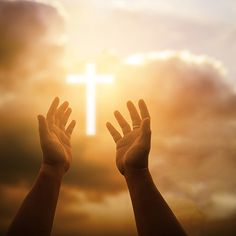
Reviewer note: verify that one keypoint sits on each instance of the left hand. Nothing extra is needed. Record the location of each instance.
(55, 137)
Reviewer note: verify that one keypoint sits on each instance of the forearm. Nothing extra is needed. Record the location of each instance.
(152, 214)
(35, 216)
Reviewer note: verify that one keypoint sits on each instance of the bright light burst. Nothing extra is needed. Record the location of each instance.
(90, 79)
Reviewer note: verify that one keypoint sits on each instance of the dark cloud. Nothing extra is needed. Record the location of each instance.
(19, 129)
(21, 154)
(32, 40)
(11, 197)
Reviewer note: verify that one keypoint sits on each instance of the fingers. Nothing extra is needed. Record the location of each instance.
(143, 109)
(145, 126)
(70, 128)
(43, 126)
(66, 117)
(60, 113)
(135, 117)
(114, 133)
(122, 122)
(52, 110)
(136, 120)
(145, 137)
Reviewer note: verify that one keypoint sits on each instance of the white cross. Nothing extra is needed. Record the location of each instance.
(90, 79)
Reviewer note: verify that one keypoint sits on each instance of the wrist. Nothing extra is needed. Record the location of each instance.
(136, 172)
(138, 180)
(56, 172)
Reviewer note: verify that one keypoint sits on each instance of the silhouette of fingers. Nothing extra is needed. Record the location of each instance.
(143, 109)
(60, 112)
(145, 126)
(65, 117)
(145, 137)
(114, 133)
(136, 120)
(43, 127)
(70, 128)
(52, 110)
(122, 122)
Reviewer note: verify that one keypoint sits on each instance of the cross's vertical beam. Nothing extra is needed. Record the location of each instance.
(91, 100)
(90, 79)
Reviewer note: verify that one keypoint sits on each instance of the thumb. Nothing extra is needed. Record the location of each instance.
(43, 126)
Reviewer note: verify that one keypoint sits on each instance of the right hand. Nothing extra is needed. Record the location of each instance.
(132, 149)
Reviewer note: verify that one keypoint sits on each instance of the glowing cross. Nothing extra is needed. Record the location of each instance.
(90, 79)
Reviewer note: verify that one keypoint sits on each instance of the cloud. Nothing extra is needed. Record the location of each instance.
(186, 83)
(76, 214)
(11, 197)
(192, 104)
(32, 37)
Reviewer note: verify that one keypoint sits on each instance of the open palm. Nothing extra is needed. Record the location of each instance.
(133, 148)
(54, 137)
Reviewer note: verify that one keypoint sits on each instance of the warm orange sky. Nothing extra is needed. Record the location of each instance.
(179, 63)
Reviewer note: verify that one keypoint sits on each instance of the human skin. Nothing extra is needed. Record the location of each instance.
(152, 214)
(36, 214)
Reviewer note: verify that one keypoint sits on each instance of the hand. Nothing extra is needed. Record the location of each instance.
(55, 138)
(133, 148)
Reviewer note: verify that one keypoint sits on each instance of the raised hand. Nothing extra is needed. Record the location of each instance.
(55, 137)
(133, 147)
(36, 214)
(152, 214)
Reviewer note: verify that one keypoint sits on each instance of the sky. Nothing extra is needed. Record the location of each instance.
(176, 55)
(203, 27)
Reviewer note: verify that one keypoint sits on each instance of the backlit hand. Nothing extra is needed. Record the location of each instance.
(55, 138)
(133, 148)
